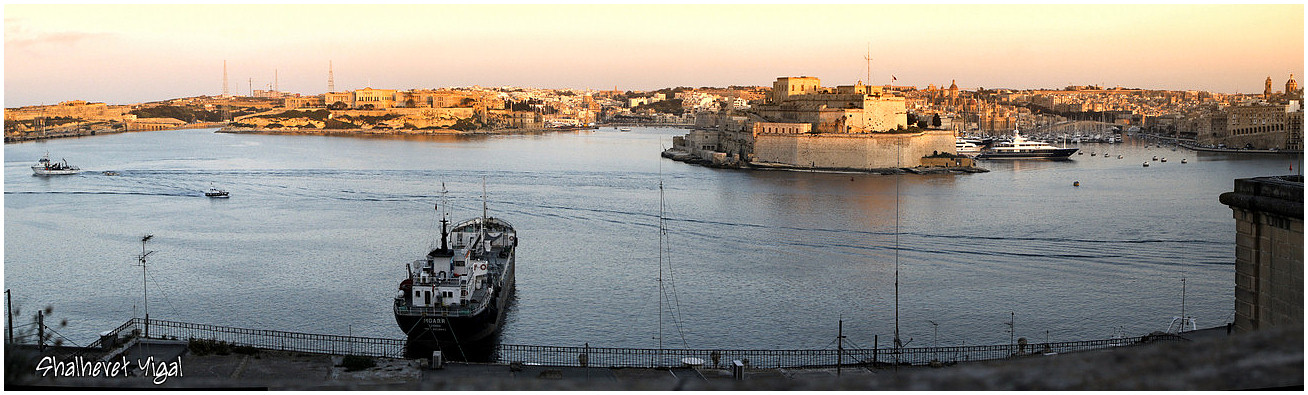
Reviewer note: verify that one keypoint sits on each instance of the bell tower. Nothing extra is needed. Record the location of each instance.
(1267, 89)
(1291, 85)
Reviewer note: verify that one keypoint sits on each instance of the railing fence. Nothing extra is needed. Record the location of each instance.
(617, 357)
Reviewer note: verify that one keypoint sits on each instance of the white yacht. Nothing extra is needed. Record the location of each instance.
(1021, 148)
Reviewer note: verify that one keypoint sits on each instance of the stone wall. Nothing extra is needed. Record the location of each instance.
(852, 151)
(1269, 286)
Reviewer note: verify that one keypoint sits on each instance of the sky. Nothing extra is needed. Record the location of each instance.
(124, 54)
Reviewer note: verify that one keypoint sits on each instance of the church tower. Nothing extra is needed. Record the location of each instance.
(1267, 89)
(1291, 85)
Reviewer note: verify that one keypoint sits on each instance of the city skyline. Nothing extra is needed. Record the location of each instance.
(129, 54)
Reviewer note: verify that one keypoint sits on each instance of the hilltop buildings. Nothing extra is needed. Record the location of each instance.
(803, 124)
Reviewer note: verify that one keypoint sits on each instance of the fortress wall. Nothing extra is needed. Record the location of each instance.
(852, 151)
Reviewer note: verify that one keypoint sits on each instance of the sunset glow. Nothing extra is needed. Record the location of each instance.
(127, 54)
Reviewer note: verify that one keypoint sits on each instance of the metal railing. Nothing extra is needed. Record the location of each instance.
(266, 339)
(766, 359)
(621, 357)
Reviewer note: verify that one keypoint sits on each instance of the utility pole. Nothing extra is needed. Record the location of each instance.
(9, 297)
(840, 346)
(145, 293)
(1012, 327)
(40, 330)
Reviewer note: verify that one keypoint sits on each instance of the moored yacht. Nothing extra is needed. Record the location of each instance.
(1021, 148)
(966, 148)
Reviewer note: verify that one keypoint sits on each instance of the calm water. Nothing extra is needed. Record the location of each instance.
(317, 230)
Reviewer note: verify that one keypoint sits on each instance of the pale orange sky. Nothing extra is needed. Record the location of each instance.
(127, 54)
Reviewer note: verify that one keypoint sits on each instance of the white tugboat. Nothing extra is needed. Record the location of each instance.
(456, 295)
(45, 167)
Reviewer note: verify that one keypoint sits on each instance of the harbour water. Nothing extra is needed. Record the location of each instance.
(317, 229)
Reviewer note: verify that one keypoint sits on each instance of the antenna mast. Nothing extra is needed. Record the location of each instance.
(225, 93)
(331, 78)
(869, 63)
(145, 293)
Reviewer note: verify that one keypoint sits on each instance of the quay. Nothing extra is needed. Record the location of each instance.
(1208, 359)
(396, 132)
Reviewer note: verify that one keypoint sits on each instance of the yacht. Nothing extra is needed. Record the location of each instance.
(1021, 148)
(966, 148)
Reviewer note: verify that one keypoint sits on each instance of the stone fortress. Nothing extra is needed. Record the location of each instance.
(804, 125)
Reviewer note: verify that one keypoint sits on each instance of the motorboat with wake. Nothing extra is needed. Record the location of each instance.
(46, 167)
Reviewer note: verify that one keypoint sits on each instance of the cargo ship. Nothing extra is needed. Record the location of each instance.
(455, 296)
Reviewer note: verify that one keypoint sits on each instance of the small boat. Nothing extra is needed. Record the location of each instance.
(110, 173)
(1076, 183)
(1183, 160)
(1092, 153)
(1163, 160)
(1119, 157)
(215, 193)
(624, 130)
(45, 167)
(1155, 157)
(1146, 164)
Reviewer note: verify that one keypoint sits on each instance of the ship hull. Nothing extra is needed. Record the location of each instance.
(1061, 153)
(54, 172)
(460, 337)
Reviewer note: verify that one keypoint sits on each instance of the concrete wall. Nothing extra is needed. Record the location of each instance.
(1269, 286)
(852, 151)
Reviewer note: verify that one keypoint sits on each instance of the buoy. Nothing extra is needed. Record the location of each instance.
(1076, 183)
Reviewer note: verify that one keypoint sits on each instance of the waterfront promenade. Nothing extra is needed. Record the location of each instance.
(1208, 359)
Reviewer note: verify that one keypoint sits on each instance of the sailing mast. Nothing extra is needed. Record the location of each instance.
(662, 234)
(898, 153)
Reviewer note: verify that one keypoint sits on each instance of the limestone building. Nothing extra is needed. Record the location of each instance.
(1269, 286)
(803, 124)
(1264, 126)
